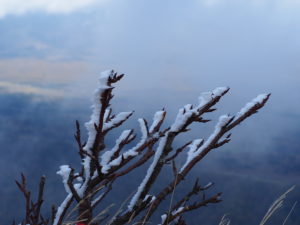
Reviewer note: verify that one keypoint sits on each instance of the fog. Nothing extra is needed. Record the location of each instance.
(170, 52)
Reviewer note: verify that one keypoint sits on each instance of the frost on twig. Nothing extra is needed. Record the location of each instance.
(102, 165)
(225, 124)
(184, 205)
(198, 145)
(109, 155)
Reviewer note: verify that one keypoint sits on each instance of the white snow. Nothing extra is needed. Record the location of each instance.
(258, 100)
(90, 126)
(125, 155)
(104, 76)
(121, 117)
(193, 148)
(192, 153)
(86, 166)
(96, 110)
(209, 184)
(181, 118)
(106, 114)
(158, 117)
(220, 91)
(223, 120)
(61, 208)
(107, 155)
(149, 196)
(79, 179)
(188, 111)
(133, 150)
(157, 155)
(177, 210)
(206, 97)
(163, 218)
(143, 128)
(64, 172)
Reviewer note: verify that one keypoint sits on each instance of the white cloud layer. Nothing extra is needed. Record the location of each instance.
(30, 70)
(19, 7)
(13, 88)
(277, 3)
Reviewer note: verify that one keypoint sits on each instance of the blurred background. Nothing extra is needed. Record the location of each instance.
(52, 52)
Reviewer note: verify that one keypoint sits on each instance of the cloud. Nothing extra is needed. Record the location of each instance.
(289, 3)
(46, 78)
(19, 7)
(13, 88)
(277, 3)
(211, 3)
(30, 70)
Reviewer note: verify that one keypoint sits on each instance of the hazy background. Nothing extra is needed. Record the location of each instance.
(51, 53)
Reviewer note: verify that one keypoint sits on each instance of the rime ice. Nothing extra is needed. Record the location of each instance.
(100, 164)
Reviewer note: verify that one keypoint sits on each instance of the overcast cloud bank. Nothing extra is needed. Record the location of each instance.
(20, 7)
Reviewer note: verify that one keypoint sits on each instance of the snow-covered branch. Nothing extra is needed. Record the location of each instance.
(107, 156)
(185, 117)
(62, 209)
(102, 165)
(199, 150)
(187, 208)
(149, 137)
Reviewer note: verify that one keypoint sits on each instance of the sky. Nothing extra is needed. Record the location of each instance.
(170, 52)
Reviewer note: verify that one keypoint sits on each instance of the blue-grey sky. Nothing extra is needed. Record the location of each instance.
(169, 50)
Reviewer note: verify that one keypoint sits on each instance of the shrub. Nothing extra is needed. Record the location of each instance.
(102, 166)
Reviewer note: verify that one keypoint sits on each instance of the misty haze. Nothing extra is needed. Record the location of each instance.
(52, 54)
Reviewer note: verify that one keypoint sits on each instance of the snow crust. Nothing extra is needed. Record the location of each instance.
(209, 184)
(182, 117)
(61, 208)
(143, 128)
(177, 210)
(163, 218)
(122, 116)
(194, 151)
(133, 151)
(141, 187)
(258, 100)
(107, 155)
(90, 126)
(64, 172)
(149, 196)
(206, 97)
(158, 117)
(188, 111)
